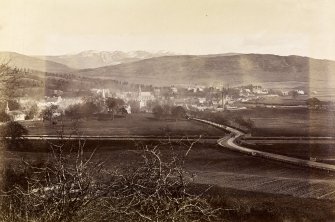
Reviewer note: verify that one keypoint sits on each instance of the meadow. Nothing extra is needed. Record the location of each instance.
(318, 151)
(143, 124)
(291, 122)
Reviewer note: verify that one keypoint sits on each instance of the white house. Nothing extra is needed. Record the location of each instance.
(201, 100)
(300, 92)
(284, 92)
(144, 97)
(174, 89)
(48, 101)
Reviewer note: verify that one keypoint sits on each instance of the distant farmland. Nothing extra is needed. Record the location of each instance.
(291, 122)
(268, 123)
(320, 151)
(132, 125)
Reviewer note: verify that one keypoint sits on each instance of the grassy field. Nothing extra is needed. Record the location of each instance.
(291, 122)
(286, 100)
(134, 124)
(268, 122)
(262, 207)
(323, 152)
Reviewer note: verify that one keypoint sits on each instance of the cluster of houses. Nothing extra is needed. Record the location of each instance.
(198, 97)
(21, 114)
(141, 97)
(191, 97)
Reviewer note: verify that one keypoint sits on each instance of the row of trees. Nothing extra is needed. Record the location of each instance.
(114, 105)
(87, 108)
(83, 110)
(315, 103)
(167, 111)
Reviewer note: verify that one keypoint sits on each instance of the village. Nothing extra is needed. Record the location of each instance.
(191, 98)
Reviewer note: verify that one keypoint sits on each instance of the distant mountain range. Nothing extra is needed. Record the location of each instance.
(95, 59)
(167, 69)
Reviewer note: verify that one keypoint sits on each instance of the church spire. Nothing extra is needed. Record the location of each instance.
(139, 90)
(7, 108)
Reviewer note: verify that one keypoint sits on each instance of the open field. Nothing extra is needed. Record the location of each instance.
(215, 165)
(294, 124)
(268, 122)
(256, 189)
(291, 122)
(285, 100)
(134, 124)
(321, 152)
(263, 207)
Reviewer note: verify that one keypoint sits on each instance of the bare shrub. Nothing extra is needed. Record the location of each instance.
(156, 189)
(55, 190)
(72, 186)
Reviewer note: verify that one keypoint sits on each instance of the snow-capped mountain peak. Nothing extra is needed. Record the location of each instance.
(95, 58)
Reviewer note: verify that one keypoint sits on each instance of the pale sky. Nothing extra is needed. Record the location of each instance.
(285, 27)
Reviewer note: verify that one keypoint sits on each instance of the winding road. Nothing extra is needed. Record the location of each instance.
(229, 142)
(241, 168)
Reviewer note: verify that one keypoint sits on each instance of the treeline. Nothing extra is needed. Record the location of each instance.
(89, 106)
(169, 112)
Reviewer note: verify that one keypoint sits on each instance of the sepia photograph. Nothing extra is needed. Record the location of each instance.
(167, 110)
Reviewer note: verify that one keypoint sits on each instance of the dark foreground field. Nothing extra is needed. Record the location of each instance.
(248, 188)
(262, 207)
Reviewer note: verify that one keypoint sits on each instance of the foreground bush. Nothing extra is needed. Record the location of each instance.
(53, 190)
(72, 186)
(156, 190)
(12, 133)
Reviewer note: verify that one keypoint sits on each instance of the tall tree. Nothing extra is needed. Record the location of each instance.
(178, 112)
(113, 104)
(89, 108)
(294, 94)
(135, 106)
(314, 103)
(49, 112)
(32, 112)
(158, 111)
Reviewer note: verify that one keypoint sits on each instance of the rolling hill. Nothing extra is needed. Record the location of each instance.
(230, 68)
(32, 63)
(215, 69)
